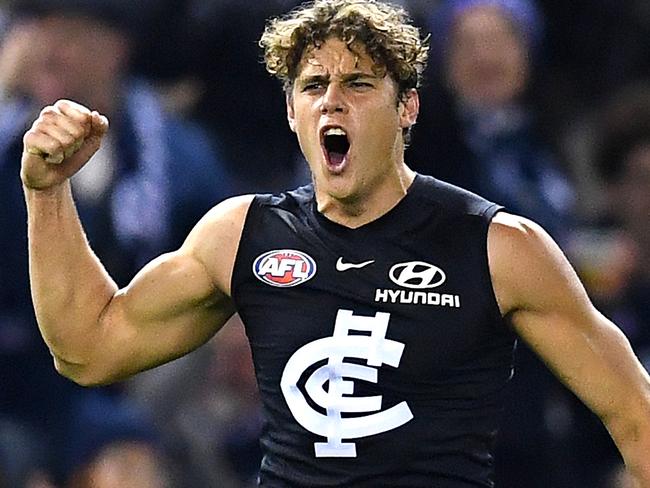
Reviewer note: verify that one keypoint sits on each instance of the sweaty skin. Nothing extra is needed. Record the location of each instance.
(99, 334)
(337, 87)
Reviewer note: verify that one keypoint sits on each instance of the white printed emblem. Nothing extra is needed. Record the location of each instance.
(341, 266)
(377, 350)
(417, 275)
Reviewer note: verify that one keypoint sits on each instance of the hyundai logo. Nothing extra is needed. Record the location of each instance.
(417, 275)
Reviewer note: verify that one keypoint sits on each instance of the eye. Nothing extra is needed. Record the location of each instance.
(312, 86)
(361, 84)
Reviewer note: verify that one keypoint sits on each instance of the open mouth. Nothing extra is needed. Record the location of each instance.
(336, 146)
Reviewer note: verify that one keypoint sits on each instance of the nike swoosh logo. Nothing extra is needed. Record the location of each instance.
(341, 266)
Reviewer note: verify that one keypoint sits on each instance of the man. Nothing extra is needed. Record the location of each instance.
(378, 302)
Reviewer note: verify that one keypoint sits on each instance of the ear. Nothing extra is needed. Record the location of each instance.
(409, 108)
(291, 116)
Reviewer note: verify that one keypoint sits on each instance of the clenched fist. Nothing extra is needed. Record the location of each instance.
(60, 142)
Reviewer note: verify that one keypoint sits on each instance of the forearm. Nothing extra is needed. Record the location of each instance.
(626, 413)
(70, 287)
(633, 442)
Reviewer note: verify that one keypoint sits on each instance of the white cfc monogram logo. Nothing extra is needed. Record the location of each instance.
(377, 350)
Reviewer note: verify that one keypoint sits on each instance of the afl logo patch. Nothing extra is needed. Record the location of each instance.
(284, 267)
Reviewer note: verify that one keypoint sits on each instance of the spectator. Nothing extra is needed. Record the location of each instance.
(214, 35)
(112, 445)
(93, 68)
(163, 182)
(483, 132)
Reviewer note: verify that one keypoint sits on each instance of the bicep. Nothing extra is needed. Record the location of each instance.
(541, 296)
(589, 354)
(176, 302)
(171, 307)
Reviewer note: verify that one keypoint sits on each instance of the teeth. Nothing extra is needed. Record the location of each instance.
(335, 131)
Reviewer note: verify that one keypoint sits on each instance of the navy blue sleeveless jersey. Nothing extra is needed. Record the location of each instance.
(380, 352)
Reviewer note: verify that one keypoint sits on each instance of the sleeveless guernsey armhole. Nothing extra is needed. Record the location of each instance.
(488, 214)
(235, 278)
(491, 210)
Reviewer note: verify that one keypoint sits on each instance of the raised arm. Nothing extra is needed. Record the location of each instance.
(540, 294)
(97, 333)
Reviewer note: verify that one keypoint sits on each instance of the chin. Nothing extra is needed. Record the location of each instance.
(331, 184)
(341, 188)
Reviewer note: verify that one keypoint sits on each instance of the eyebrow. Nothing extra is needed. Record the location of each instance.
(358, 75)
(345, 78)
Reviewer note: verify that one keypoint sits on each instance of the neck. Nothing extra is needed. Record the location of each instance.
(361, 209)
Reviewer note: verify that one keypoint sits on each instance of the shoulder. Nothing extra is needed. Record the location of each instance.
(453, 200)
(514, 244)
(221, 220)
(508, 229)
(529, 270)
(292, 199)
(215, 238)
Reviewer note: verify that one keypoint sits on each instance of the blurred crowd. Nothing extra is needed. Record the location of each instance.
(543, 107)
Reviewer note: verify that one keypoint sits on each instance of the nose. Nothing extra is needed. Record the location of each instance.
(333, 100)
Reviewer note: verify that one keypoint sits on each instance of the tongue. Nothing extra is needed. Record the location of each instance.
(336, 158)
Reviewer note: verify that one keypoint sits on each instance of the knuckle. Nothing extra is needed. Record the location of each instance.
(53, 145)
(47, 117)
(67, 139)
(77, 132)
(31, 138)
(62, 104)
(49, 110)
(72, 107)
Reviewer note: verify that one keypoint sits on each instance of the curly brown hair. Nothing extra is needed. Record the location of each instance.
(384, 30)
